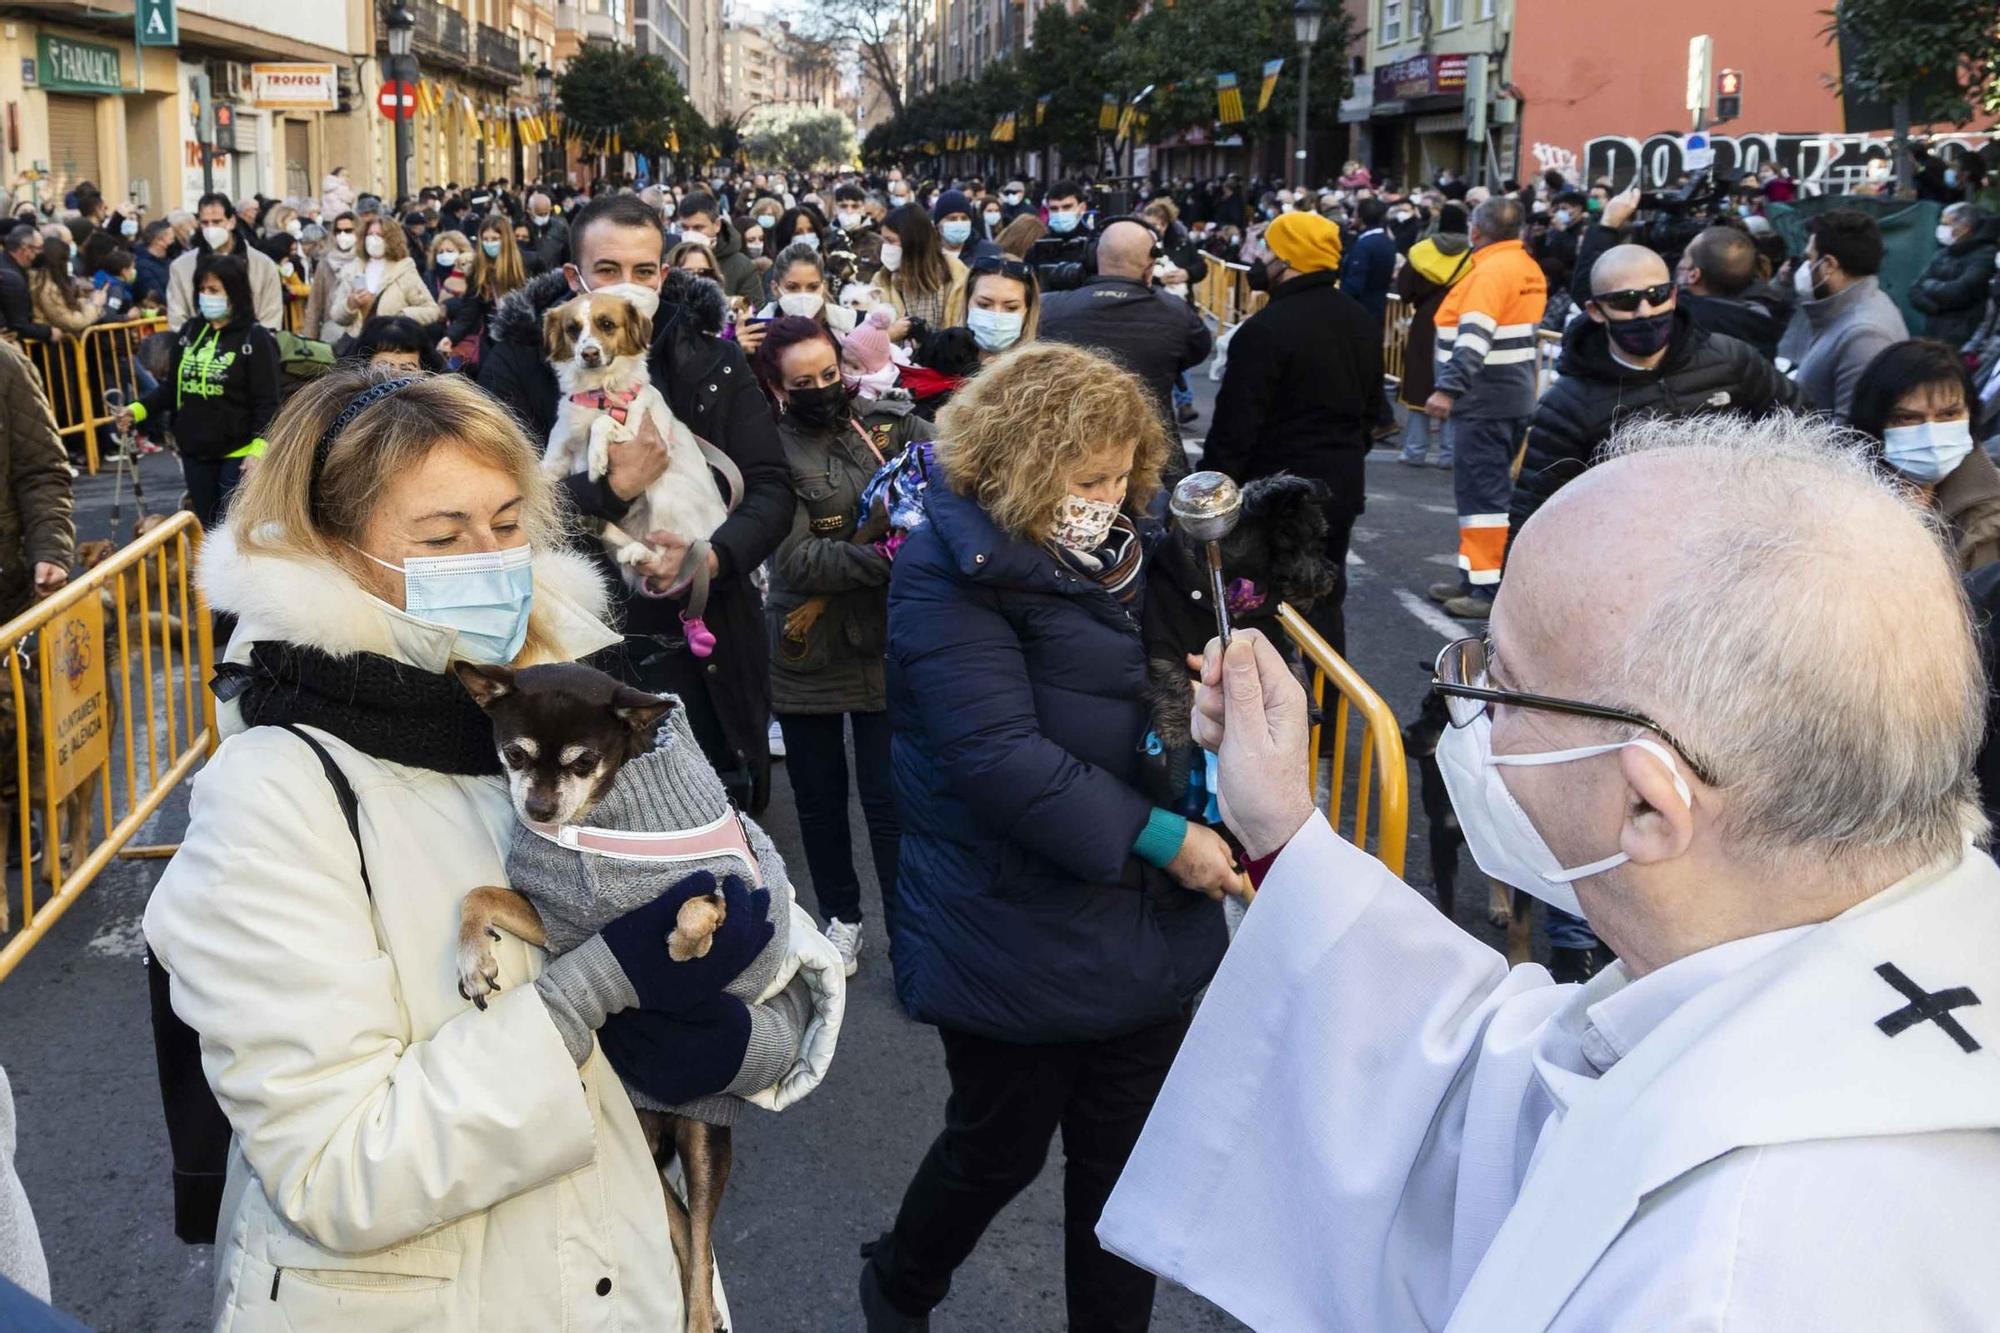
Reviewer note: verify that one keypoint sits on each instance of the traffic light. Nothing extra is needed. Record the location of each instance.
(225, 127)
(1728, 95)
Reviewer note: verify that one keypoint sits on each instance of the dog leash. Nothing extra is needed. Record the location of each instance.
(721, 837)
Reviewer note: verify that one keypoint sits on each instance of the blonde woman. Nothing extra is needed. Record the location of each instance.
(493, 269)
(383, 281)
(1054, 925)
(448, 269)
(399, 1159)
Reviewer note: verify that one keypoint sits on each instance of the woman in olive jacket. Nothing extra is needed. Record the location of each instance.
(828, 614)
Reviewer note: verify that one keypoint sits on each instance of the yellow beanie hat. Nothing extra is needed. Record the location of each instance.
(1305, 241)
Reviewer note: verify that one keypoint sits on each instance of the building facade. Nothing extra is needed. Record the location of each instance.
(760, 68)
(687, 34)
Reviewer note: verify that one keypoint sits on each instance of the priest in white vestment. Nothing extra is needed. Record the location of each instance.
(1727, 704)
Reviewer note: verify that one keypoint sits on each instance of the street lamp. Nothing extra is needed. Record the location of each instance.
(1306, 16)
(545, 89)
(402, 27)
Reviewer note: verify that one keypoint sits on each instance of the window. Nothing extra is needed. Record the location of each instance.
(1485, 10)
(1391, 27)
(1451, 13)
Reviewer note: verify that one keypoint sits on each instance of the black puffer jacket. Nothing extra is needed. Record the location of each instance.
(1952, 292)
(1594, 394)
(1151, 333)
(707, 384)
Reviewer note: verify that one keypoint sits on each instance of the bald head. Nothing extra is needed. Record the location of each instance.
(1624, 267)
(1763, 593)
(1125, 251)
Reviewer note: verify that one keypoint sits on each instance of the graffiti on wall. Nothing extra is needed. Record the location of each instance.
(1554, 156)
(1836, 163)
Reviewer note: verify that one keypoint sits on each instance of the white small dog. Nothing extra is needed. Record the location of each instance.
(597, 343)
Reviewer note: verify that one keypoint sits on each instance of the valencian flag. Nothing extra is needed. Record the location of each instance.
(1042, 107)
(1107, 115)
(1271, 68)
(1228, 100)
(1126, 120)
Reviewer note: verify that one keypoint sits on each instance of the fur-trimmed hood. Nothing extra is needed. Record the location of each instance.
(318, 605)
(684, 298)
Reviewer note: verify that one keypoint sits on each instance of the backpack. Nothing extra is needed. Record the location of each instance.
(300, 361)
(197, 1130)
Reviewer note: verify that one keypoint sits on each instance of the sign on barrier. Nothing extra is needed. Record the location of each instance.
(78, 739)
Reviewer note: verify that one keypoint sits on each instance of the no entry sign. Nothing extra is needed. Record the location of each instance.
(397, 101)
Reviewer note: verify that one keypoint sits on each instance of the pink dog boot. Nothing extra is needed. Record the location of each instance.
(701, 642)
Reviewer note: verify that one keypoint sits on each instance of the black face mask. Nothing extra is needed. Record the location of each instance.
(1643, 336)
(820, 409)
(1259, 277)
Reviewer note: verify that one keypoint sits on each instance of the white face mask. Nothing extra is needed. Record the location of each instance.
(892, 256)
(216, 237)
(1082, 525)
(286, 268)
(1498, 832)
(995, 330)
(375, 246)
(1945, 233)
(344, 240)
(697, 238)
(1802, 281)
(447, 259)
(646, 300)
(807, 239)
(295, 227)
(1928, 452)
(803, 304)
(849, 219)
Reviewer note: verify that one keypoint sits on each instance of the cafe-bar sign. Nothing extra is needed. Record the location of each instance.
(1420, 76)
(78, 67)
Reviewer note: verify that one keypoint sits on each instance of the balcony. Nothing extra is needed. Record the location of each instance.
(499, 54)
(441, 37)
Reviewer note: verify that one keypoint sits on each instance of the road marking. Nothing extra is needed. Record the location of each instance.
(1448, 561)
(1440, 509)
(1431, 616)
(1354, 559)
(123, 939)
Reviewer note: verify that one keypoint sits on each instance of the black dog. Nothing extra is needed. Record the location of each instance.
(1420, 742)
(1277, 554)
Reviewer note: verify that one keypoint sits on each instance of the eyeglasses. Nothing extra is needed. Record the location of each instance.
(1461, 677)
(1005, 265)
(1626, 302)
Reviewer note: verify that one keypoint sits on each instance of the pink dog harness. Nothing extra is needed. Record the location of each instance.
(615, 405)
(722, 837)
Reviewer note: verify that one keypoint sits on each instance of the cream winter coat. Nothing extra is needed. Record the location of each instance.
(403, 293)
(401, 1161)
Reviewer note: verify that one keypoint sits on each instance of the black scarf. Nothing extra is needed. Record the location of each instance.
(378, 705)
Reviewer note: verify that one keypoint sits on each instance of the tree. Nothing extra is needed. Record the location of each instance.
(798, 136)
(1930, 60)
(608, 89)
(872, 30)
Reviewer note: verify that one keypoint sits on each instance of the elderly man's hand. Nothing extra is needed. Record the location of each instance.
(1438, 405)
(1251, 711)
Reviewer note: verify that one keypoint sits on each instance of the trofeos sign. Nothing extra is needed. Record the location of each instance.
(1420, 76)
(78, 67)
(294, 87)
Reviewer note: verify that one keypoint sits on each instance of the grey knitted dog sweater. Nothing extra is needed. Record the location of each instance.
(578, 894)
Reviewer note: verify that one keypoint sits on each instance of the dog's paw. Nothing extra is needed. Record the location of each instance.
(634, 553)
(478, 969)
(1499, 904)
(695, 926)
(598, 455)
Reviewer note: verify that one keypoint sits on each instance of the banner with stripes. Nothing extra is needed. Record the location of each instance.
(1228, 100)
(1126, 119)
(1042, 107)
(1271, 70)
(1107, 115)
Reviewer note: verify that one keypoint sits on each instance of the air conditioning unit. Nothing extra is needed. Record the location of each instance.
(232, 80)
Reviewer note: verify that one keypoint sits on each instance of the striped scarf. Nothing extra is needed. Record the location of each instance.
(1115, 564)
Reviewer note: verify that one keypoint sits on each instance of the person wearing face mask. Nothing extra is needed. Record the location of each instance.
(826, 613)
(1694, 719)
(702, 220)
(952, 214)
(1054, 925)
(799, 289)
(548, 233)
(916, 273)
(384, 282)
(449, 265)
(492, 270)
(342, 252)
(1069, 236)
(1014, 201)
(1952, 291)
(1914, 403)
(220, 392)
(152, 256)
(1717, 274)
(1848, 316)
(284, 252)
(220, 232)
(864, 236)
(402, 527)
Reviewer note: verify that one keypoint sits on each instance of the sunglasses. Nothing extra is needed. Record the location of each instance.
(1626, 302)
(1005, 265)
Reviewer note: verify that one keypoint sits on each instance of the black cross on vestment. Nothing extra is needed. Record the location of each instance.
(1926, 1007)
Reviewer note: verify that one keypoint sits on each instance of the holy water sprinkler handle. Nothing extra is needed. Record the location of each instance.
(1206, 506)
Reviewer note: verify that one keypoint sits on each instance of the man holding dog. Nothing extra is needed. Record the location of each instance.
(617, 240)
(1693, 717)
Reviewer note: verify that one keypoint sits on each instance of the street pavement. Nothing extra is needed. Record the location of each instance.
(810, 1186)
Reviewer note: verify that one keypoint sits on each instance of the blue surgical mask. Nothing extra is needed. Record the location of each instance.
(995, 330)
(492, 249)
(212, 307)
(956, 232)
(486, 596)
(1951, 177)
(1064, 223)
(1930, 451)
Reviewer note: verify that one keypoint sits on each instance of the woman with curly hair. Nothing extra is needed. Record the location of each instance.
(1054, 925)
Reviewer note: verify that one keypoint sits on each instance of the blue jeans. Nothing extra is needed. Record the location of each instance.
(816, 762)
(1418, 432)
(1568, 932)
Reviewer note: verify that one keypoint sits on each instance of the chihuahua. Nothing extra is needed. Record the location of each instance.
(564, 733)
(597, 342)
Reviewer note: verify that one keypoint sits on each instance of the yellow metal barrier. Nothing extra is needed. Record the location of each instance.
(1396, 317)
(76, 372)
(1381, 777)
(74, 730)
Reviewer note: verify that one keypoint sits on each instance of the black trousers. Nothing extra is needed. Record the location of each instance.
(816, 762)
(1328, 615)
(1007, 1102)
(210, 482)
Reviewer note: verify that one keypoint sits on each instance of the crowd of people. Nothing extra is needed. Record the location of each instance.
(948, 413)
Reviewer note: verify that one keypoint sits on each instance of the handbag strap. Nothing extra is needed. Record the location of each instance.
(343, 792)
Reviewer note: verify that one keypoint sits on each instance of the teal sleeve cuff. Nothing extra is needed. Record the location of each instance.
(1160, 841)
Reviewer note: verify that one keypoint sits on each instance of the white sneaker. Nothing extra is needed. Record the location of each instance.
(846, 937)
(777, 740)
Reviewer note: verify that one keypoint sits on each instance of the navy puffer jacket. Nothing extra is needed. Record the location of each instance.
(1015, 689)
